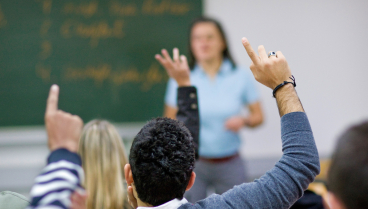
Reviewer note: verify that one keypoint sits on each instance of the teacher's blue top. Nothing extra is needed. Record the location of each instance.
(219, 99)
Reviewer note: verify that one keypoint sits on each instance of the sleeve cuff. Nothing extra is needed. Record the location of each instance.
(64, 154)
(294, 121)
(188, 96)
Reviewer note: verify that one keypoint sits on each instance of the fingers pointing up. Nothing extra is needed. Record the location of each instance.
(270, 71)
(251, 53)
(52, 100)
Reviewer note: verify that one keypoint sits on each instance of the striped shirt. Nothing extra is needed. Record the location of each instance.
(57, 181)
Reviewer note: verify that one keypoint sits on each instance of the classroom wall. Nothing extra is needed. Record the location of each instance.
(325, 43)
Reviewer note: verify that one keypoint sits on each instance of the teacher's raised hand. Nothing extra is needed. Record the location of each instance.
(268, 70)
(63, 129)
(177, 68)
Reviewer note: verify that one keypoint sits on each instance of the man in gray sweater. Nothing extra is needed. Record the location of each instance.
(278, 188)
(162, 155)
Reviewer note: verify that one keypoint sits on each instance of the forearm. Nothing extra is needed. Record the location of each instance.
(288, 100)
(284, 184)
(253, 120)
(255, 117)
(188, 112)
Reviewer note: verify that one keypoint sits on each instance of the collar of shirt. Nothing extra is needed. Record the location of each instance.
(173, 204)
(226, 67)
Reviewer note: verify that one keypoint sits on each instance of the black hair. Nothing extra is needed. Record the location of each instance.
(348, 173)
(225, 53)
(162, 161)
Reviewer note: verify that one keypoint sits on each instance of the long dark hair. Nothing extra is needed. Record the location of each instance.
(226, 53)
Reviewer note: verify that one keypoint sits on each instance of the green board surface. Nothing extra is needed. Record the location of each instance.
(100, 53)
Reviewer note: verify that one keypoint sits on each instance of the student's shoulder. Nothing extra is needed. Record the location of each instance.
(213, 201)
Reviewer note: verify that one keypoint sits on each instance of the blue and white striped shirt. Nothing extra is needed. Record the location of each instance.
(57, 181)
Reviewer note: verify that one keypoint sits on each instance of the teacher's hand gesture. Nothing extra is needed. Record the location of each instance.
(177, 68)
(63, 129)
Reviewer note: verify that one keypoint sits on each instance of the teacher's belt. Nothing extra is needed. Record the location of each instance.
(219, 160)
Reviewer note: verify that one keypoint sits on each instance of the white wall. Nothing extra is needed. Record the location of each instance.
(325, 43)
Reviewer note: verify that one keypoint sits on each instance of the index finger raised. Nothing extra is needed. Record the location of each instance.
(251, 53)
(52, 100)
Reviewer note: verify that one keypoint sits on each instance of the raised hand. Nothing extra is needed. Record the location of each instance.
(177, 68)
(269, 71)
(63, 129)
(272, 71)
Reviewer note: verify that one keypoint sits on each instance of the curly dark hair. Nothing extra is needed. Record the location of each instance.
(347, 176)
(162, 160)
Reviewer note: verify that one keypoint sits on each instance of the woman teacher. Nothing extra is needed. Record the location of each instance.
(223, 90)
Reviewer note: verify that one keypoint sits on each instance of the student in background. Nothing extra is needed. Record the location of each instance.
(347, 177)
(223, 89)
(103, 156)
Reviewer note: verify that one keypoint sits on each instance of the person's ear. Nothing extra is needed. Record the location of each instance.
(191, 181)
(128, 174)
(334, 202)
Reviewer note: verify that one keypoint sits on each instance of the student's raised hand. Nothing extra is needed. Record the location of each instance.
(177, 68)
(63, 129)
(269, 71)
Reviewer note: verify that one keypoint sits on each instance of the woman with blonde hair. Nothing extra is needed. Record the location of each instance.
(103, 156)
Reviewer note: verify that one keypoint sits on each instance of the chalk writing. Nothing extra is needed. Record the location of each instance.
(116, 8)
(104, 73)
(46, 6)
(46, 50)
(152, 7)
(99, 73)
(95, 31)
(43, 72)
(2, 18)
(45, 27)
(87, 9)
(153, 76)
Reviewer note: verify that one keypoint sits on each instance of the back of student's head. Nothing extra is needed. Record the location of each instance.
(162, 161)
(103, 158)
(348, 173)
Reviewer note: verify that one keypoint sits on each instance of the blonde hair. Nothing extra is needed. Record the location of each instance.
(103, 159)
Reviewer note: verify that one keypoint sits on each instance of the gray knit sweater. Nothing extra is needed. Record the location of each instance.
(285, 183)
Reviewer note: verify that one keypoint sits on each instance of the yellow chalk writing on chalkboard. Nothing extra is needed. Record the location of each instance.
(45, 27)
(94, 31)
(97, 73)
(153, 77)
(87, 9)
(46, 6)
(2, 18)
(155, 7)
(43, 72)
(116, 8)
(104, 73)
(46, 50)
(124, 76)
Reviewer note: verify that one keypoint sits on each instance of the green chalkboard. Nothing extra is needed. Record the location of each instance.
(100, 53)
